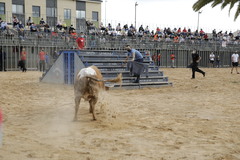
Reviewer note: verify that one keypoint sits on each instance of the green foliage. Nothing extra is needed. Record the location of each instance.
(231, 3)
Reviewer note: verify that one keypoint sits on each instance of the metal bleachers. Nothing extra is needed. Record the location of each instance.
(111, 63)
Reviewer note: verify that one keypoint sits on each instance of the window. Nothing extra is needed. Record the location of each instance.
(36, 11)
(2, 8)
(50, 12)
(67, 13)
(18, 9)
(95, 16)
(80, 14)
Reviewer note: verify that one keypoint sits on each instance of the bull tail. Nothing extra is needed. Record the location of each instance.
(118, 79)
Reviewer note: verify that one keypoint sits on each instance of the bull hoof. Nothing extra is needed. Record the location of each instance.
(94, 119)
(74, 119)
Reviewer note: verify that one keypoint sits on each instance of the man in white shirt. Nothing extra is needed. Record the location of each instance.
(211, 59)
(235, 61)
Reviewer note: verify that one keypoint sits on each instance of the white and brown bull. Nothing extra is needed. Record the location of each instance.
(89, 82)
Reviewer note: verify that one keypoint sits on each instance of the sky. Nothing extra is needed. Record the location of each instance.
(168, 13)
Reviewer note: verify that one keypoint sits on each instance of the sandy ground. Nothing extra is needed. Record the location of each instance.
(193, 120)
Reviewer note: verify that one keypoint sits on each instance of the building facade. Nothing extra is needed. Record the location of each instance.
(71, 12)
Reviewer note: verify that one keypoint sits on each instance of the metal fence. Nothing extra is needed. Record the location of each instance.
(10, 56)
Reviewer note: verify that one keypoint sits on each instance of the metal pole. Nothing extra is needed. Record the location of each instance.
(198, 20)
(105, 13)
(54, 16)
(136, 14)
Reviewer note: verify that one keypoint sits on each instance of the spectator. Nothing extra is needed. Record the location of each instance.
(42, 22)
(3, 25)
(102, 28)
(1, 20)
(73, 35)
(46, 28)
(80, 41)
(42, 60)
(33, 27)
(71, 28)
(159, 59)
(64, 25)
(202, 33)
(235, 62)
(109, 27)
(2, 60)
(211, 59)
(23, 56)
(29, 21)
(141, 29)
(118, 28)
(172, 57)
(15, 21)
(47, 61)
(218, 61)
(8, 33)
(20, 25)
(59, 25)
(21, 33)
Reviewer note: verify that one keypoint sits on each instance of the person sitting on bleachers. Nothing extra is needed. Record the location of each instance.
(59, 25)
(1, 20)
(33, 28)
(15, 21)
(141, 29)
(118, 28)
(29, 21)
(20, 25)
(3, 26)
(71, 28)
(42, 22)
(64, 25)
(202, 33)
(74, 34)
(102, 28)
(46, 28)
(146, 30)
(8, 33)
(125, 27)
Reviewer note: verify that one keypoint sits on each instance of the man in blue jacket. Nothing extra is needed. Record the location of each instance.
(134, 55)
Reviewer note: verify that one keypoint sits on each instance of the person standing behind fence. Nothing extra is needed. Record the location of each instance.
(172, 57)
(159, 59)
(80, 41)
(23, 56)
(195, 60)
(42, 60)
(2, 60)
(211, 60)
(235, 61)
(218, 61)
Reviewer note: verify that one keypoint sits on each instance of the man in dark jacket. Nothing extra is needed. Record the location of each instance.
(195, 60)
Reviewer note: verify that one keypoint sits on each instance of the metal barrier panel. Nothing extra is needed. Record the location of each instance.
(69, 67)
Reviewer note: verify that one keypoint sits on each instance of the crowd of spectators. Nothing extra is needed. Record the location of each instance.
(167, 34)
(177, 35)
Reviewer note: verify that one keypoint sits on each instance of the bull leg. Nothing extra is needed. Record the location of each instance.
(90, 108)
(92, 103)
(77, 103)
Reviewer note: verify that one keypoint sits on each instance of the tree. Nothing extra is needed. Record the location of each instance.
(201, 3)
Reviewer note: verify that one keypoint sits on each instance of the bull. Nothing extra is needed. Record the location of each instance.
(88, 83)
